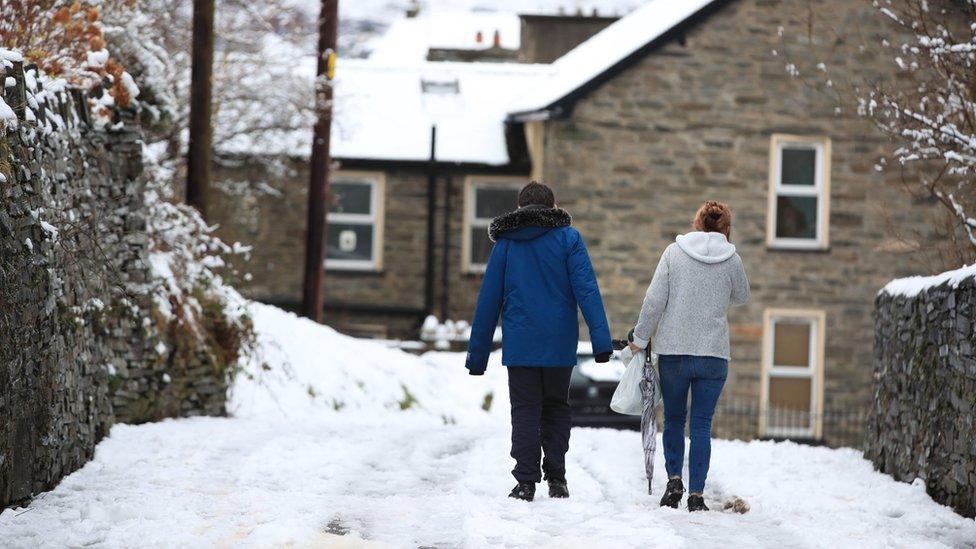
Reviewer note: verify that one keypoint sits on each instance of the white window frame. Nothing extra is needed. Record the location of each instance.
(814, 371)
(820, 190)
(377, 183)
(471, 185)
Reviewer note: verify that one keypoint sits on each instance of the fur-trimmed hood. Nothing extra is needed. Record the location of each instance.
(538, 217)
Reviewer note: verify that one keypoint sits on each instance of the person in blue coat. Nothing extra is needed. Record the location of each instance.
(538, 273)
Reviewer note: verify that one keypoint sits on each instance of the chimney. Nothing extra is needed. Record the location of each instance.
(545, 38)
(497, 39)
(479, 38)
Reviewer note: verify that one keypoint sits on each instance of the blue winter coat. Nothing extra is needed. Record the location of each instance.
(538, 274)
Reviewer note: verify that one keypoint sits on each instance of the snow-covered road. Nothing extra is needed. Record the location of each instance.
(417, 482)
(323, 456)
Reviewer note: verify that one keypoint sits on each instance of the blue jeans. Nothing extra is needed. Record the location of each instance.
(705, 376)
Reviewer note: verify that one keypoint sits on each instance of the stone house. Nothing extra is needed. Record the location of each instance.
(669, 106)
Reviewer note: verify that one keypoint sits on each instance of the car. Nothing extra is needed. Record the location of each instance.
(591, 388)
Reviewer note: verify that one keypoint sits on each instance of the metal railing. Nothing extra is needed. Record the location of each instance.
(740, 420)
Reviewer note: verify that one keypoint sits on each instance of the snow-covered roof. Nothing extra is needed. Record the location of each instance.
(613, 45)
(386, 105)
(914, 285)
(385, 112)
(409, 39)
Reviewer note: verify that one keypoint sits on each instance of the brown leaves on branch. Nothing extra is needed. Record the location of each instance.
(59, 35)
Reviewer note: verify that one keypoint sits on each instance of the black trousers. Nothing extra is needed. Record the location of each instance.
(540, 421)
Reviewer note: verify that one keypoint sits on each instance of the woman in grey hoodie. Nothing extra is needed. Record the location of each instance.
(685, 314)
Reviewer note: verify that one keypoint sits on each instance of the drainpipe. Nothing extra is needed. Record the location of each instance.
(445, 263)
(431, 206)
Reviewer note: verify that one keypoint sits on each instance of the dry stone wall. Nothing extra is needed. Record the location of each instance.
(923, 420)
(79, 348)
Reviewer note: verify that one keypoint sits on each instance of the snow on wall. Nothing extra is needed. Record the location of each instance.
(7, 117)
(913, 285)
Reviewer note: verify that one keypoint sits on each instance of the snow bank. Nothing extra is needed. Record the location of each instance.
(306, 369)
(914, 285)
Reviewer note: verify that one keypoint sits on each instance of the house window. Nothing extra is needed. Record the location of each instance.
(355, 232)
(792, 380)
(799, 192)
(485, 199)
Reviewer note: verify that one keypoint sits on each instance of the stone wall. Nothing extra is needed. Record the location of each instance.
(922, 423)
(79, 348)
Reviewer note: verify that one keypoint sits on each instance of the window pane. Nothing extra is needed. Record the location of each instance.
(791, 343)
(351, 197)
(350, 242)
(796, 217)
(799, 167)
(789, 403)
(791, 393)
(493, 202)
(480, 246)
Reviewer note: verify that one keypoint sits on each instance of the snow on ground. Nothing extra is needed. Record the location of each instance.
(305, 369)
(290, 469)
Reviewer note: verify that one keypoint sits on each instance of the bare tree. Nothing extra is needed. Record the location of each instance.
(929, 109)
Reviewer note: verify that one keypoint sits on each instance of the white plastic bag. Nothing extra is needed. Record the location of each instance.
(627, 399)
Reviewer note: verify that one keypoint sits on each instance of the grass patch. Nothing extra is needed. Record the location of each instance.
(408, 401)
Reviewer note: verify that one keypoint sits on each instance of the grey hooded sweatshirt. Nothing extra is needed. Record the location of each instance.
(698, 277)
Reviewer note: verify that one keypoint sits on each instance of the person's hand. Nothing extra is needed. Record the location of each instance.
(634, 348)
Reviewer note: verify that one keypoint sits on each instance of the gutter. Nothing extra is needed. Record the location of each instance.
(541, 115)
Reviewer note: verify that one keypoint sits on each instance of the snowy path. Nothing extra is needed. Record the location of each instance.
(321, 455)
(414, 482)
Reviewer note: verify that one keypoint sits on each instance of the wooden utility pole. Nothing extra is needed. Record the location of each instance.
(200, 150)
(318, 185)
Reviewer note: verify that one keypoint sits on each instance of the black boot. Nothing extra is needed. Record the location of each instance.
(696, 503)
(524, 491)
(672, 494)
(558, 488)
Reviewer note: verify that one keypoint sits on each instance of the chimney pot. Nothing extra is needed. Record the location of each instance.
(497, 40)
(479, 38)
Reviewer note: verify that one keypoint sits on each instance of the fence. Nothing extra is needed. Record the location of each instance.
(740, 420)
